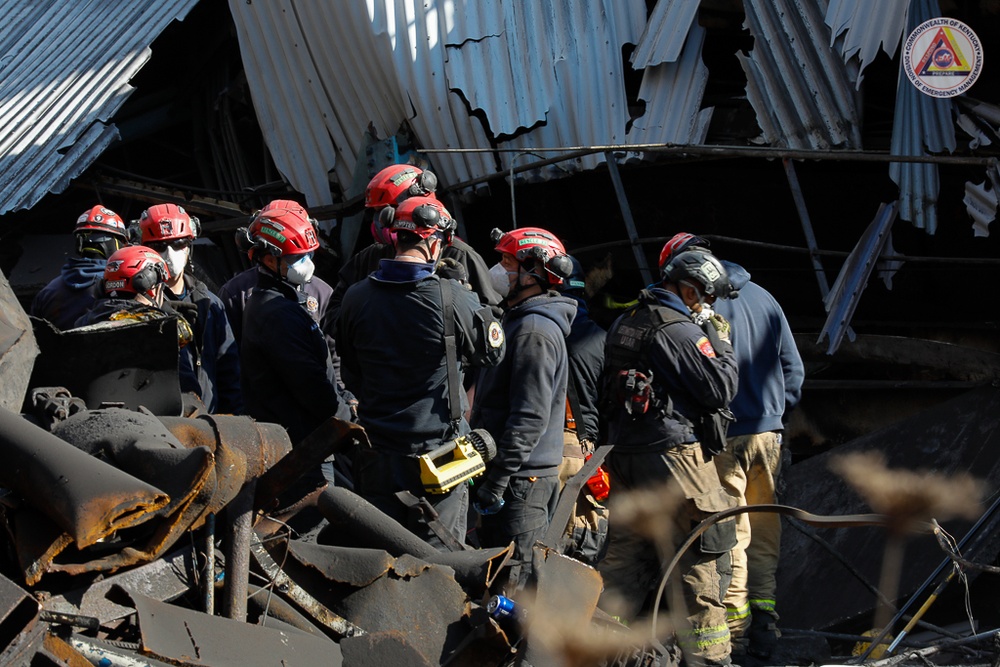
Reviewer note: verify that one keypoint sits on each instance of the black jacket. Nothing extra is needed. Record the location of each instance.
(391, 339)
(686, 369)
(286, 372)
(522, 402)
(362, 263)
(210, 365)
(586, 365)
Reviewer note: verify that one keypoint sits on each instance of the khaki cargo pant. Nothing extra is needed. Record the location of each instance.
(748, 470)
(633, 565)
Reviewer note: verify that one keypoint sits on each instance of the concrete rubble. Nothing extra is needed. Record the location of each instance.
(140, 530)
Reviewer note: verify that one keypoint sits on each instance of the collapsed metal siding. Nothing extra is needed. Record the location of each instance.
(801, 89)
(665, 33)
(921, 125)
(541, 74)
(64, 74)
(866, 26)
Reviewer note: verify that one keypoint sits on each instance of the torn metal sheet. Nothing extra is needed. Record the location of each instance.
(18, 616)
(379, 649)
(356, 523)
(184, 637)
(853, 278)
(866, 26)
(164, 579)
(562, 607)
(981, 201)
(130, 364)
(961, 435)
(21, 651)
(18, 348)
(412, 596)
(801, 89)
(86, 497)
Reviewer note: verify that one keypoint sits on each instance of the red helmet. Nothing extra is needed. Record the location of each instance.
(100, 219)
(678, 243)
(167, 222)
(396, 182)
(422, 216)
(134, 269)
(534, 243)
(283, 227)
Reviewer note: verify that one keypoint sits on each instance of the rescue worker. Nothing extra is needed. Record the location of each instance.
(133, 286)
(235, 292)
(393, 334)
(664, 374)
(585, 347)
(389, 188)
(522, 402)
(99, 232)
(210, 366)
(771, 376)
(287, 375)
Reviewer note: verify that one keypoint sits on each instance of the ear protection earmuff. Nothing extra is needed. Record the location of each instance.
(148, 278)
(562, 266)
(386, 216)
(424, 184)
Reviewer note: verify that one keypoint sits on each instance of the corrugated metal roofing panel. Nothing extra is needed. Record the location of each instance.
(665, 33)
(801, 89)
(673, 93)
(540, 73)
(921, 125)
(866, 26)
(981, 201)
(845, 294)
(58, 90)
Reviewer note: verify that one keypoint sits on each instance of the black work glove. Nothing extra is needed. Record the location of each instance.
(186, 309)
(487, 500)
(448, 267)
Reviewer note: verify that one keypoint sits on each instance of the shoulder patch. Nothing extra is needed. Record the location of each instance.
(311, 304)
(495, 335)
(705, 347)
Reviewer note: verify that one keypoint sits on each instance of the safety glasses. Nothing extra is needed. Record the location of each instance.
(175, 244)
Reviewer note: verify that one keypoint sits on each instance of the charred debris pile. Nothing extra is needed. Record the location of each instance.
(139, 530)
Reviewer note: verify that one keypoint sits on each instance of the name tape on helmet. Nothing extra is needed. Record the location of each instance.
(113, 284)
(398, 179)
(273, 233)
(405, 225)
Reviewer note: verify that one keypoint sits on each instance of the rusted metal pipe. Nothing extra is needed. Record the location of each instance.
(84, 496)
(209, 582)
(331, 437)
(239, 515)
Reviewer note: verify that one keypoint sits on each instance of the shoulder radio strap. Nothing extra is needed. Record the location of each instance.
(451, 354)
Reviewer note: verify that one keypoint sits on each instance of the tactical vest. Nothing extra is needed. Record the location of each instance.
(627, 350)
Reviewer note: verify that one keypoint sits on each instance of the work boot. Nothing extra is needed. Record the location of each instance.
(763, 634)
(738, 648)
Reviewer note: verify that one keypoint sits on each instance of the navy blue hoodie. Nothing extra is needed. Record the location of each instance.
(71, 294)
(771, 370)
(522, 402)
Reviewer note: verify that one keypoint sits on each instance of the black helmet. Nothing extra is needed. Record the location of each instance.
(701, 265)
(576, 282)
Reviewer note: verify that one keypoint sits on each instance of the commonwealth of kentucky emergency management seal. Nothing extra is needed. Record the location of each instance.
(942, 57)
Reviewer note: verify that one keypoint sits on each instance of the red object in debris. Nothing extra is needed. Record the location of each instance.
(599, 483)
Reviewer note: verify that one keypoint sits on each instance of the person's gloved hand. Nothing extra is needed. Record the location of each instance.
(448, 267)
(488, 499)
(186, 309)
(721, 325)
